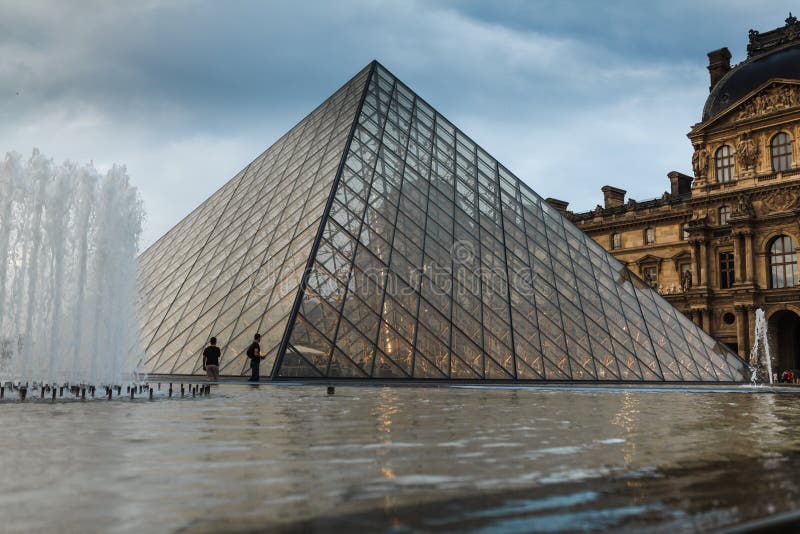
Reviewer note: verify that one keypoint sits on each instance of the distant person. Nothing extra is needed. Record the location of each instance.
(254, 353)
(211, 360)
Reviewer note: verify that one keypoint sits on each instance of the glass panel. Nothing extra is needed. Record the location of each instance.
(414, 190)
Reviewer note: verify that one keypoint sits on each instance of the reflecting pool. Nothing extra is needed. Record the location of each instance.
(434, 459)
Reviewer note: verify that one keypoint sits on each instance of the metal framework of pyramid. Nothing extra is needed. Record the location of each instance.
(376, 241)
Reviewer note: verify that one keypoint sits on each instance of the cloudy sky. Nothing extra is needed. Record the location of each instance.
(570, 95)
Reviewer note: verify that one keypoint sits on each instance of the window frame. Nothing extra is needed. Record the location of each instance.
(616, 241)
(726, 262)
(780, 152)
(787, 266)
(724, 165)
(724, 215)
(648, 239)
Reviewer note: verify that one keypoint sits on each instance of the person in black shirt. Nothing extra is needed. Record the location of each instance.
(211, 360)
(254, 353)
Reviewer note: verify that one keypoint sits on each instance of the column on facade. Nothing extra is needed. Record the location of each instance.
(738, 257)
(695, 249)
(703, 264)
(749, 258)
(697, 317)
(750, 326)
(742, 340)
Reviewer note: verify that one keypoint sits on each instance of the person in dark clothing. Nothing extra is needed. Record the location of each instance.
(211, 360)
(254, 353)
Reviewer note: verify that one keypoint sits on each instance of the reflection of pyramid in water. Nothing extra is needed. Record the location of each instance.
(428, 260)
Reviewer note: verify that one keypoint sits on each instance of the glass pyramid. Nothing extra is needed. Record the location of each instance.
(424, 258)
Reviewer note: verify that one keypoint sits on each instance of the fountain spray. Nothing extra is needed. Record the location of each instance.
(68, 244)
(761, 342)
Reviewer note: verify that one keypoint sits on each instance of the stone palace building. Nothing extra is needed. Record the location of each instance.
(723, 243)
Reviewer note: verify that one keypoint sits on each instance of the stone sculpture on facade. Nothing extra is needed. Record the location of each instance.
(744, 208)
(686, 281)
(775, 98)
(747, 152)
(700, 162)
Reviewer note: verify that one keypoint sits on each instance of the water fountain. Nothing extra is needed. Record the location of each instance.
(68, 245)
(760, 358)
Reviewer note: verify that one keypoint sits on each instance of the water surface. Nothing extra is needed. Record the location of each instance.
(292, 458)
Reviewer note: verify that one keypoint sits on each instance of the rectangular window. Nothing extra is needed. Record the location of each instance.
(725, 270)
(616, 241)
(724, 215)
(649, 236)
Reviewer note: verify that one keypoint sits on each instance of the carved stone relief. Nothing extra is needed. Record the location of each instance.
(778, 201)
(747, 152)
(744, 207)
(774, 98)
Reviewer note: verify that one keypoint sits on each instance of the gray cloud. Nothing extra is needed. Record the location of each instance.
(569, 95)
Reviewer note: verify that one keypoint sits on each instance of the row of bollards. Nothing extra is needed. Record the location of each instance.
(80, 391)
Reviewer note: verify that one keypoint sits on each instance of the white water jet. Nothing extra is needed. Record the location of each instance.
(760, 357)
(69, 238)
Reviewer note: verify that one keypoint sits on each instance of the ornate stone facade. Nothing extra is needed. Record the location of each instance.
(775, 98)
(709, 244)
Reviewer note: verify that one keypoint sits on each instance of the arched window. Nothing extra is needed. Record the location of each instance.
(781, 150)
(724, 215)
(616, 241)
(783, 262)
(723, 161)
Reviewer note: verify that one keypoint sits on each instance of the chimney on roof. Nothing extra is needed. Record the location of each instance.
(719, 63)
(680, 184)
(613, 196)
(560, 205)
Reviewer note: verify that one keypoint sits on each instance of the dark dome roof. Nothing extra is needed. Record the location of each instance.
(783, 62)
